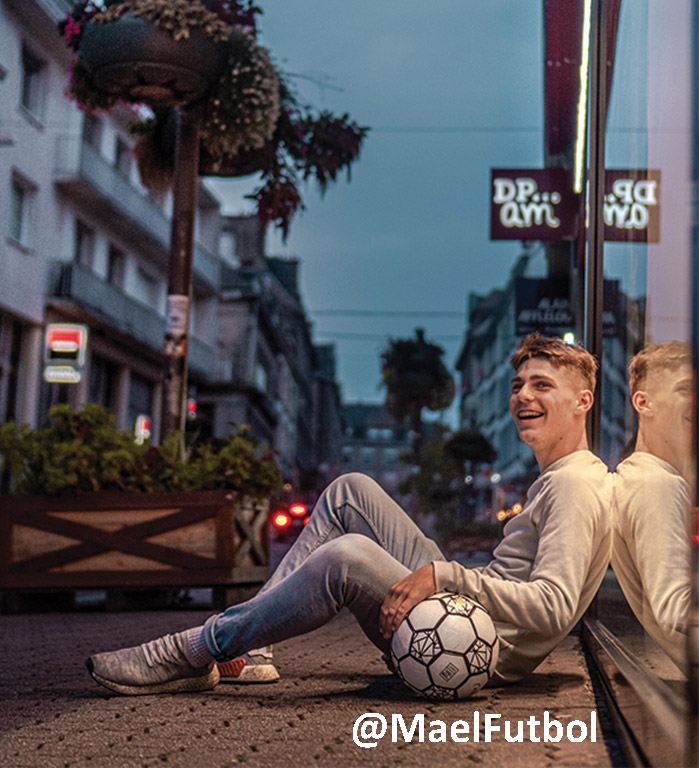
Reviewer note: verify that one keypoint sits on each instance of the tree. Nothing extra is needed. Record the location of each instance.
(434, 481)
(470, 445)
(415, 377)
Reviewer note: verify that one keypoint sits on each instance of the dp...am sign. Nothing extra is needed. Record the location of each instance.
(532, 204)
(632, 205)
(539, 204)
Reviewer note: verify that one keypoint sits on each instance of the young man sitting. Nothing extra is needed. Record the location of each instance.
(360, 550)
(652, 497)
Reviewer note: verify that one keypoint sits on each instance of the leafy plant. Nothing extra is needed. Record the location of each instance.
(243, 108)
(176, 17)
(415, 377)
(250, 119)
(82, 452)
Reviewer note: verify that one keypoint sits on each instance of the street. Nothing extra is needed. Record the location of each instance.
(53, 714)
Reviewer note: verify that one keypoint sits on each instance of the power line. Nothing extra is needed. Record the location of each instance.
(457, 129)
(381, 337)
(385, 313)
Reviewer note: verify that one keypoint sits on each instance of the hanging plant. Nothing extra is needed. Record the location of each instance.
(303, 146)
(243, 108)
(176, 17)
(82, 88)
(251, 121)
(127, 48)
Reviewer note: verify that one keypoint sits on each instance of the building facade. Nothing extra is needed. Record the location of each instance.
(375, 444)
(85, 243)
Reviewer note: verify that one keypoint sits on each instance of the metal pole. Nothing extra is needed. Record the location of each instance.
(692, 759)
(180, 279)
(594, 273)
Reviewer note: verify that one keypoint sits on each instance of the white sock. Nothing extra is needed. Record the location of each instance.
(195, 648)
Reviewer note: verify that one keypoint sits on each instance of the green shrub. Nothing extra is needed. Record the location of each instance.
(82, 452)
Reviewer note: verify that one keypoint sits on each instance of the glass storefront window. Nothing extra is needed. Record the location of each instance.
(647, 387)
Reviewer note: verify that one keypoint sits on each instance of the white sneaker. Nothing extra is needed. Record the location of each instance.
(256, 666)
(159, 666)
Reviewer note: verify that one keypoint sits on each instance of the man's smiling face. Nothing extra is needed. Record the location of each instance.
(548, 405)
(668, 418)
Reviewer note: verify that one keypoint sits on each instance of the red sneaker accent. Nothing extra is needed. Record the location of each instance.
(231, 668)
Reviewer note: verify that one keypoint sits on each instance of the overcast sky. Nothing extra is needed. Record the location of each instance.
(449, 89)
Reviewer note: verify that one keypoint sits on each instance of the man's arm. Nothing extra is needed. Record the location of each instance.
(403, 596)
(654, 517)
(573, 523)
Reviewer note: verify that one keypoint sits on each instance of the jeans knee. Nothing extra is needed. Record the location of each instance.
(351, 552)
(356, 481)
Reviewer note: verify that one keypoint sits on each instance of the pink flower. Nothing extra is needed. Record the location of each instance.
(71, 30)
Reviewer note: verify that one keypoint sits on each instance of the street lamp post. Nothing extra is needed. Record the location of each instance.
(180, 279)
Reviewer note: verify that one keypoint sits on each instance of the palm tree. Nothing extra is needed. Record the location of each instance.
(415, 377)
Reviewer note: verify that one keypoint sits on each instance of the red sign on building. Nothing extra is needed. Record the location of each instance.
(532, 204)
(632, 205)
(65, 344)
(539, 204)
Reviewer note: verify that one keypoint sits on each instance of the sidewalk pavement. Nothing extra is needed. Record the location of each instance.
(53, 714)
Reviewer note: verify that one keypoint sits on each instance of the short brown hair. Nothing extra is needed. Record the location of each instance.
(559, 354)
(668, 356)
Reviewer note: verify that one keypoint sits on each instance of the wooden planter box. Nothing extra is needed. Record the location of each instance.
(122, 541)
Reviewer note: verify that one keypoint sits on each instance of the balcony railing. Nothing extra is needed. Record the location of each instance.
(111, 305)
(79, 165)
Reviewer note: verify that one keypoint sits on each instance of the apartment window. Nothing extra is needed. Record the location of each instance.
(347, 453)
(22, 194)
(33, 83)
(226, 249)
(116, 266)
(92, 131)
(84, 250)
(390, 455)
(148, 288)
(368, 457)
(123, 157)
(261, 377)
(102, 382)
(140, 398)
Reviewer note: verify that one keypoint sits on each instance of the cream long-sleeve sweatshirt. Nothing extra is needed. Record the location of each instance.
(651, 552)
(548, 566)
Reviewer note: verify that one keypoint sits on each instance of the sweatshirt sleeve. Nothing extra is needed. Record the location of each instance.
(568, 523)
(659, 530)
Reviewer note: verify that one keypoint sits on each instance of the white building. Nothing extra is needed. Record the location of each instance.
(83, 242)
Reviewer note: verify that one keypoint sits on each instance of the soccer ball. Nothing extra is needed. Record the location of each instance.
(446, 647)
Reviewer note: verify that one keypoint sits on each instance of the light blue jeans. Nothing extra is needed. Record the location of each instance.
(357, 544)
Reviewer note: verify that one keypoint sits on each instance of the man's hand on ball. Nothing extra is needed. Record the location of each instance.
(403, 596)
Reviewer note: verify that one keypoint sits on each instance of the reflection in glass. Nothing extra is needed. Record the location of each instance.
(651, 554)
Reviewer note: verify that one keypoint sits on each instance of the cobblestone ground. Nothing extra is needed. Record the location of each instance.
(53, 714)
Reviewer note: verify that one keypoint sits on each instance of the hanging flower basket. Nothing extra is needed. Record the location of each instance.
(250, 121)
(159, 143)
(134, 60)
(245, 163)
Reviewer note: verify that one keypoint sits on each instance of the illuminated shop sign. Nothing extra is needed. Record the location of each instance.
(142, 428)
(64, 353)
(632, 205)
(65, 343)
(62, 374)
(532, 204)
(542, 305)
(539, 204)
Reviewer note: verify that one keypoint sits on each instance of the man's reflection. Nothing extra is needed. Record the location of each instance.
(652, 496)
